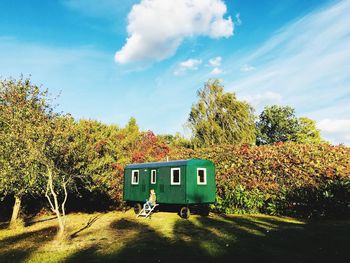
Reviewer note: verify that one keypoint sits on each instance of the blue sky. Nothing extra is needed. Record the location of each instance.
(113, 59)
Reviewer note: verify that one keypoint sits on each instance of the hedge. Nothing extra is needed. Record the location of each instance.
(284, 178)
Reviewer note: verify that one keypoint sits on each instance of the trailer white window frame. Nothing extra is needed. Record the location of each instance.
(205, 176)
(133, 177)
(172, 176)
(153, 179)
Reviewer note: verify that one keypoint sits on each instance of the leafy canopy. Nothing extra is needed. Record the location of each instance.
(308, 132)
(219, 118)
(279, 124)
(24, 109)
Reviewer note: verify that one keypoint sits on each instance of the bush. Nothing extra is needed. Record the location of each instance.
(239, 200)
(284, 178)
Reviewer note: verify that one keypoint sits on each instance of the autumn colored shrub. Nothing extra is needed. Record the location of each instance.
(284, 178)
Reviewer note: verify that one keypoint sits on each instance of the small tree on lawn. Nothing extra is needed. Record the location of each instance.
(60, 158)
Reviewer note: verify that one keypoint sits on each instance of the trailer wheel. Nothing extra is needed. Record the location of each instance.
(185, 212)
(137, 208)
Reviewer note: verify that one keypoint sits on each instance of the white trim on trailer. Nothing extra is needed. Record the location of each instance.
(132, 177)
(205, 176)
(172, 176)
(153, 179)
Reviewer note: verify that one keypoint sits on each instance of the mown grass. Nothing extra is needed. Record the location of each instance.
(120, 237)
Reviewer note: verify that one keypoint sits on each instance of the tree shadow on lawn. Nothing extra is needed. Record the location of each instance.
(30, 221)
(91, 221)
(229, 239)
(18, 247)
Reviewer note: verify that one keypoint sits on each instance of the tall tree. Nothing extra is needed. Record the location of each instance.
(220, 118)
(23, 110)
(280, 124)
(276, 124)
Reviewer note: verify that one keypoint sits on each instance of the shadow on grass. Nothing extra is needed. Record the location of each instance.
(91, 221)
(30, 222)
(27, 222)
(228, 239)
(18, 247)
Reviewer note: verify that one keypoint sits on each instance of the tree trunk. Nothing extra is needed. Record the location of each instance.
(15, 210)
(55, 204)
(61, 225)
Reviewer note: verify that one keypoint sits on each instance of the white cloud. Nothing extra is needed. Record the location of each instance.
(263, 99)
(247, 68)
(216, 71)
(336, 130)
(215, 62)
(156, 28)
(307, 62)
(190, 64)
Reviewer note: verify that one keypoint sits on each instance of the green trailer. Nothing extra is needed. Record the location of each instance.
(183, 184)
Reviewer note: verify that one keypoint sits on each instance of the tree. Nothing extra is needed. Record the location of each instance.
(107, 149)
(279, 124)
(60, 157)
(150, 148)
(177, 140)
(23, 110)
(276, 124)
(219, 118)
(37, 147)
(308, 132)
(102, 158)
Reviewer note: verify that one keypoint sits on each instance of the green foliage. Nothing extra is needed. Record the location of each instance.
(279, 124)
(219, 118)
(86, 157)
(176, 140)
(307, 131)
(103, 151)
(23, 110)
(276, 124)
(238, 199)
(286, 178)
(61, 153)
(331, 198)
(307, 178)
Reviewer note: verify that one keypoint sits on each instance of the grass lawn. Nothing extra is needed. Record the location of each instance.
(120, 237)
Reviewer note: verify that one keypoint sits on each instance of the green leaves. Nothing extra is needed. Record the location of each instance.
(276, 178)
(23, 111)
(219, 118)
(279, 124)
(287, 178)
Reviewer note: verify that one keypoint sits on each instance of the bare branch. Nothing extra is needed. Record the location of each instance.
(47, 195)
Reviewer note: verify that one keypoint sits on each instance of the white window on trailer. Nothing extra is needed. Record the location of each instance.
(135, 177)
(153, 176)
(201, 176)
(175, 176)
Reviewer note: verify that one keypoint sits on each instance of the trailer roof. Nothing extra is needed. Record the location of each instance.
(159, 164)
